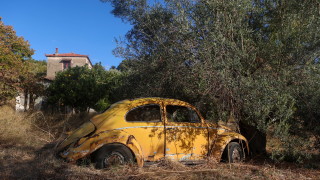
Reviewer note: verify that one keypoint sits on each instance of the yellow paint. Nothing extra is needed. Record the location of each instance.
(149, 141)
(185, 141)
(222, 140)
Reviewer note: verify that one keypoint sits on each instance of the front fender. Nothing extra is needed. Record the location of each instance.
(222, 140)
(90, 144)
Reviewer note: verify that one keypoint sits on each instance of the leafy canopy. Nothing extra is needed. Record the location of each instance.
(250, 59)
(82, 88)
(17, 68)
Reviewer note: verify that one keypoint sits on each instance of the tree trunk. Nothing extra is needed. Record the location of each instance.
(257, 139)
(31, 102)
(25, 104)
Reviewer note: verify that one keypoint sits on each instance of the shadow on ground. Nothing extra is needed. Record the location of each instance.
(26, 162)
(18, 161)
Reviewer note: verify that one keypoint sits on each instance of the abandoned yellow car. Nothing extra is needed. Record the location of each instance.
(151, 129)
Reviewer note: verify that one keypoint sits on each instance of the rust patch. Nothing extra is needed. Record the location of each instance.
(129, 141)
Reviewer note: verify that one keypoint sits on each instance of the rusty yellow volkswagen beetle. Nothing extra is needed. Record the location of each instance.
(150, 129)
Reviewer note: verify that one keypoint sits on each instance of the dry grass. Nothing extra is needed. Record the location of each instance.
(26, 152)
(18, 129)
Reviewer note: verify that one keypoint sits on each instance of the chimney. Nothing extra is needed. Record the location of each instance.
(57, 51)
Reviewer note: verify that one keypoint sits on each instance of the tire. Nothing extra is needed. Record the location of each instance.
(233, 153)
(112, 155)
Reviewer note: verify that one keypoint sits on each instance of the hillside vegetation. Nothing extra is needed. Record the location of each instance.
(27, 144)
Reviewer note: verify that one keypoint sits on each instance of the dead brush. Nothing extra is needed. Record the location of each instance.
(168, 164)
(40, 122)
(17, 128)
(119, 172)
(57, 126)
(36, 128)
(12, 125)
(211, 163)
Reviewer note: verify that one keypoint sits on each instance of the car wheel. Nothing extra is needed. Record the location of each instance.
(234, 153)
(112, 155)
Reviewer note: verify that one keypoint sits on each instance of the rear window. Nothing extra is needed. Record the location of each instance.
(145, 113)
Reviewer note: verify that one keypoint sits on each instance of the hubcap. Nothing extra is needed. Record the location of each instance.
(236, 156)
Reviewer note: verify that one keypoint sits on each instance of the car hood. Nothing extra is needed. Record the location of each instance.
(98, 122)
(84, 130)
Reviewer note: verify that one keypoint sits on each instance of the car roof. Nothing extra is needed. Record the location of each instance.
(147, 100)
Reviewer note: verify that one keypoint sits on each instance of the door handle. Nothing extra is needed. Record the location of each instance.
(169, 128)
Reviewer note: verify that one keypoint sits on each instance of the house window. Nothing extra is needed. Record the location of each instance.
(66, 64)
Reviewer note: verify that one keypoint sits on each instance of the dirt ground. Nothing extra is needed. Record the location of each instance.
(18, 161)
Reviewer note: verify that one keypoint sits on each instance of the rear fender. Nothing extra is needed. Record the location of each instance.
(96, 141)
(223, 140)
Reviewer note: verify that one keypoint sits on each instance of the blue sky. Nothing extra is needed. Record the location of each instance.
(79, 26)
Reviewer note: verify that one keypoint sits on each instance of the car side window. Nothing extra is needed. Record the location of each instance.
(145, 113)
(181, 114)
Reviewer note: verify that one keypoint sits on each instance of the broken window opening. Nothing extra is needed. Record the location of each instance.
(145, 113)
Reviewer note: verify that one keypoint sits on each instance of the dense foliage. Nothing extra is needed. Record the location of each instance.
(83, 88)
(18, 72)
(31, 80)
(251, 59)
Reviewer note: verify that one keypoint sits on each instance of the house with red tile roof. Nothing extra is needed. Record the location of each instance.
(55, 62)
(58, 62)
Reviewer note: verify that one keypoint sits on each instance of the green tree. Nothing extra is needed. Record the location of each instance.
(82, 88)
(31, 80)
(231, 58)
(14, 51)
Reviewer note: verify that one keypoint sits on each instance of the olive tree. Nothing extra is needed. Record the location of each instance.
(239, 58)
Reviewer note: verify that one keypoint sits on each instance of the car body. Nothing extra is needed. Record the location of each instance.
(151, 129)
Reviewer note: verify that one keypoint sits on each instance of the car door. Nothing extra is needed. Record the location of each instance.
(145, 122)
(186, 137)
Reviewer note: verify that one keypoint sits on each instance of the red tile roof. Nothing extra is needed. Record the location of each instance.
(66, 55)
